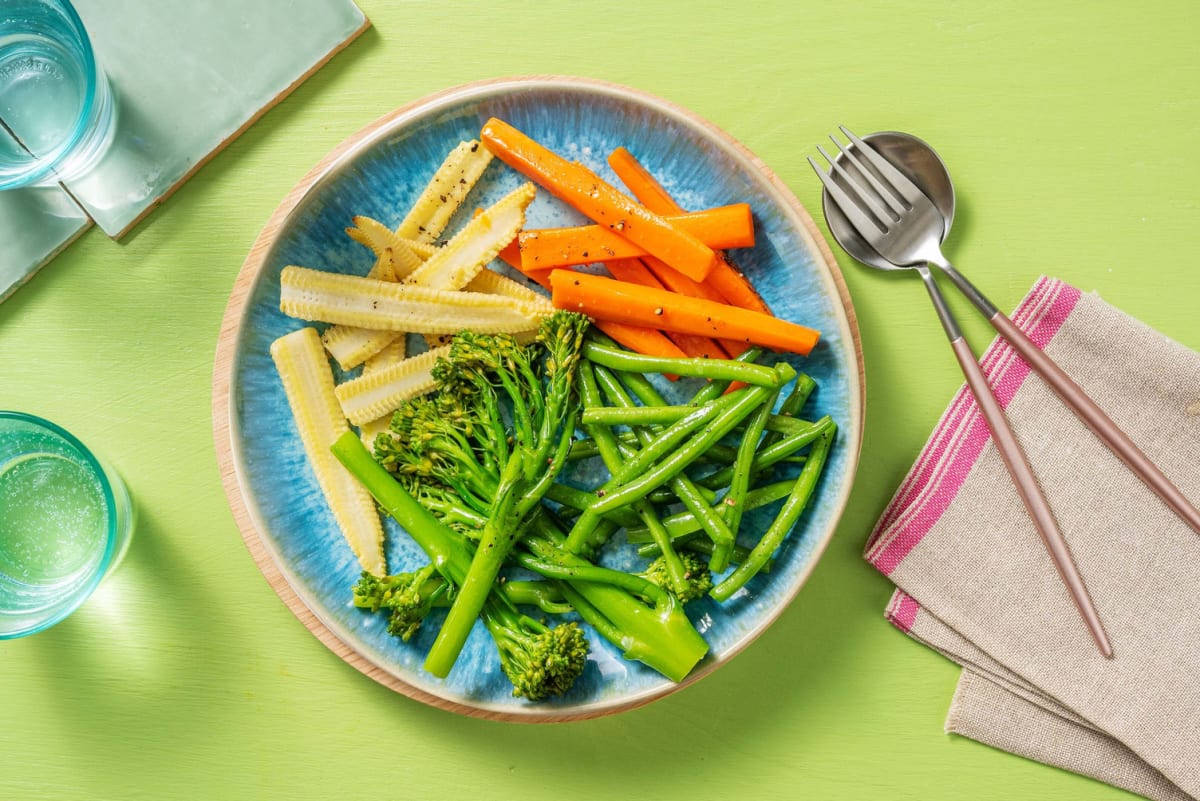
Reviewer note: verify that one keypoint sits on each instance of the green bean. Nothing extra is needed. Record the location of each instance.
(714, 389)
(630, 582)
(632, 488)
(695, 542)
(610, 452)
(684, 524)
(792, 405)
(795, 504)
(684, 488)
(749, 373)
(772, 454)
(586, 449)
(665, 415)
(735, 498)
(578, 500)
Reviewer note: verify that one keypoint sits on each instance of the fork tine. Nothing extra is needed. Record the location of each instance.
(849, 206)
(884, 215)
(904, 187)
(889, 196)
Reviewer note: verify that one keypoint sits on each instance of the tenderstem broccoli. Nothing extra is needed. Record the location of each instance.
(497, 432)
(539, 660)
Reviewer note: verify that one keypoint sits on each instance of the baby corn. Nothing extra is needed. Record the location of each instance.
(308, 385)
(350, 300)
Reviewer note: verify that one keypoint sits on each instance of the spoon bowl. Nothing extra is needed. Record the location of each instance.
(919, 163)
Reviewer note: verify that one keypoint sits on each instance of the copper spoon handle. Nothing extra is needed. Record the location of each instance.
(1018, 467)
(1078, 402)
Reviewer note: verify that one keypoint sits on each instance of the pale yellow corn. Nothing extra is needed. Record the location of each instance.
(431, 212)
(480, 240)
(491, 282)
(373, 395)
(308, 385)
(352, 346)
(406, 255)
(366, 303)
(396, 351)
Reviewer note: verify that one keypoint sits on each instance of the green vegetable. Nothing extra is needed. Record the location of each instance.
(540, 661)
(698, 577)
(792, 508)
(684, 524)
(408, 597)
(497, 432)
(610, 452)
(712, 369)
(471, 472)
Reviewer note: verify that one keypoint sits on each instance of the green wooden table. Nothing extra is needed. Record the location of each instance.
(1072, 130)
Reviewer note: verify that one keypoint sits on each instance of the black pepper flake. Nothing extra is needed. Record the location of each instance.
(576, 282)
(474, 147)
(585, 254)
(600, 493)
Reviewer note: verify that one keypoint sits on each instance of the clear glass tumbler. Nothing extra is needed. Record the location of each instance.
(57, 113)
(65, 522)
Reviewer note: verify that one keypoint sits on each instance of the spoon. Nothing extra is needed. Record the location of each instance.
(920, 164)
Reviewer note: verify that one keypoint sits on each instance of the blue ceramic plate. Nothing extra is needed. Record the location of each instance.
(378, 173)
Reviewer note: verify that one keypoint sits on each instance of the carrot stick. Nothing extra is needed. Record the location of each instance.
(678, 282)
(542, 248)
(598, 200)
(724, 278)
(635, 272)
(649, 341)
(619, 301)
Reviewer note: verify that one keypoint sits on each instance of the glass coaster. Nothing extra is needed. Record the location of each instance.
(189, 77)
(36, 223)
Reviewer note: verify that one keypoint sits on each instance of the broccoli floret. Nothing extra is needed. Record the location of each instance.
(696, 572)
(541, 661)
(409, 597)
(496, 433)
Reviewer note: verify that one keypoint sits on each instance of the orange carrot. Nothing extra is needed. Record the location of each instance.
(598, 200)
(635, 272)
(641, 340)
(725, 279)
(510, 254)
(678, 282)
(619, 301)
(543, 248)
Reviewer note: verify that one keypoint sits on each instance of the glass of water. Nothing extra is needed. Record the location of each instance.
(56, 107)
(65, 522)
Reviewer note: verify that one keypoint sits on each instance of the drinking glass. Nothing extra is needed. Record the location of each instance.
(57, 113)
(65, 522)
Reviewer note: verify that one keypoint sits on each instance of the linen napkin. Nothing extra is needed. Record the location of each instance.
(977, 585)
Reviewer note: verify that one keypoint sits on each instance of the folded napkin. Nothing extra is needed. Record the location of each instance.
(975, 583)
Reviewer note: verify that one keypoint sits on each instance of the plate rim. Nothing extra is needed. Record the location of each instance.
(224, 383)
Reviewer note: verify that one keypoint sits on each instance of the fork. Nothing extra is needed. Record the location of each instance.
(896, 219)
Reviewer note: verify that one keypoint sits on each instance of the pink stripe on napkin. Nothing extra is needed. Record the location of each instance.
(962, 433)
(902, 611)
